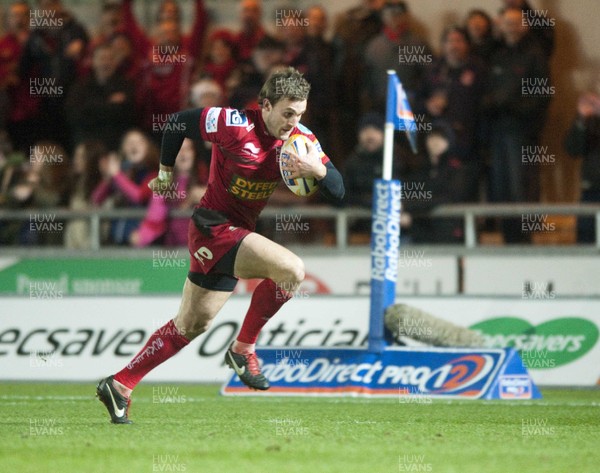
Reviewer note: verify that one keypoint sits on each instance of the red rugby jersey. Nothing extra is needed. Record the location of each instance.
(244, 168)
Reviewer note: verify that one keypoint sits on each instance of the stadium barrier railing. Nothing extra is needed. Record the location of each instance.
(342, 217)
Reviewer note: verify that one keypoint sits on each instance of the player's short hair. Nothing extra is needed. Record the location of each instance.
(286, 83)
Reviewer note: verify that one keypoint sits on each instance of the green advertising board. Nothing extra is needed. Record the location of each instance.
(52, 278)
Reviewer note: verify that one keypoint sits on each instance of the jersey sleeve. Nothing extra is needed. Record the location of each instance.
(223, 126)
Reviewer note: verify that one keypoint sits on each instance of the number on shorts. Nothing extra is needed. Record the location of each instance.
(203, 253)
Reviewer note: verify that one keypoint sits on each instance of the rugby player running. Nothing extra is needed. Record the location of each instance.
(244, 172)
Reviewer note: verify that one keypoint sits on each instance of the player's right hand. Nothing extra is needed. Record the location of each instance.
(161, 183)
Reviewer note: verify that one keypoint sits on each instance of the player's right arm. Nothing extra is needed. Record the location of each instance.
(181, 125)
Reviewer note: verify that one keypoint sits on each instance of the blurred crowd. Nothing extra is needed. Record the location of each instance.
(82, 111)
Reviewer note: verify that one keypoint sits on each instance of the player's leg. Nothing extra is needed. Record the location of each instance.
(198, 308)
(283, 271)
(259, 257)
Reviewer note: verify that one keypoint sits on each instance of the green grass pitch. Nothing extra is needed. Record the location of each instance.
(63, 428)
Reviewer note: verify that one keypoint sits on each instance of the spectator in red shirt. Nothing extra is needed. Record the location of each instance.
(168, 10)
(221, 60)
(167, 61)
(169, 13)
(252, 30)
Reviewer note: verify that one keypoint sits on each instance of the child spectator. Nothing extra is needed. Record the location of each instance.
(439, 180)
(125, 179)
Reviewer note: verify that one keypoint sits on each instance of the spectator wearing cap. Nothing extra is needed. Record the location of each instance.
(440, 179)
(451, 91)
(396, 47)
(365, 163)
(363, 166)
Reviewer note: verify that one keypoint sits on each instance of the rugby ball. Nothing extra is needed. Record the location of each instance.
(302, 186)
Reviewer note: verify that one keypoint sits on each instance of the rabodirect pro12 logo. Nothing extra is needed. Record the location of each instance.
(459, 374)
(438, 373)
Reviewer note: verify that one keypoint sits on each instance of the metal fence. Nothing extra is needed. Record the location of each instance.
(342, 217)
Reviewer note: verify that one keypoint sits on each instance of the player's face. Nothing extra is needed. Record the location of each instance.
(281, 118)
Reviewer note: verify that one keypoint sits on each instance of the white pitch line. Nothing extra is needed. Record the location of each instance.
(148, 399)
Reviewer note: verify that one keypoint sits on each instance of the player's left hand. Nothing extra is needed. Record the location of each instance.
(309, 165)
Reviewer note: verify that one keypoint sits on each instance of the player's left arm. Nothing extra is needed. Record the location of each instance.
(316, 164)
